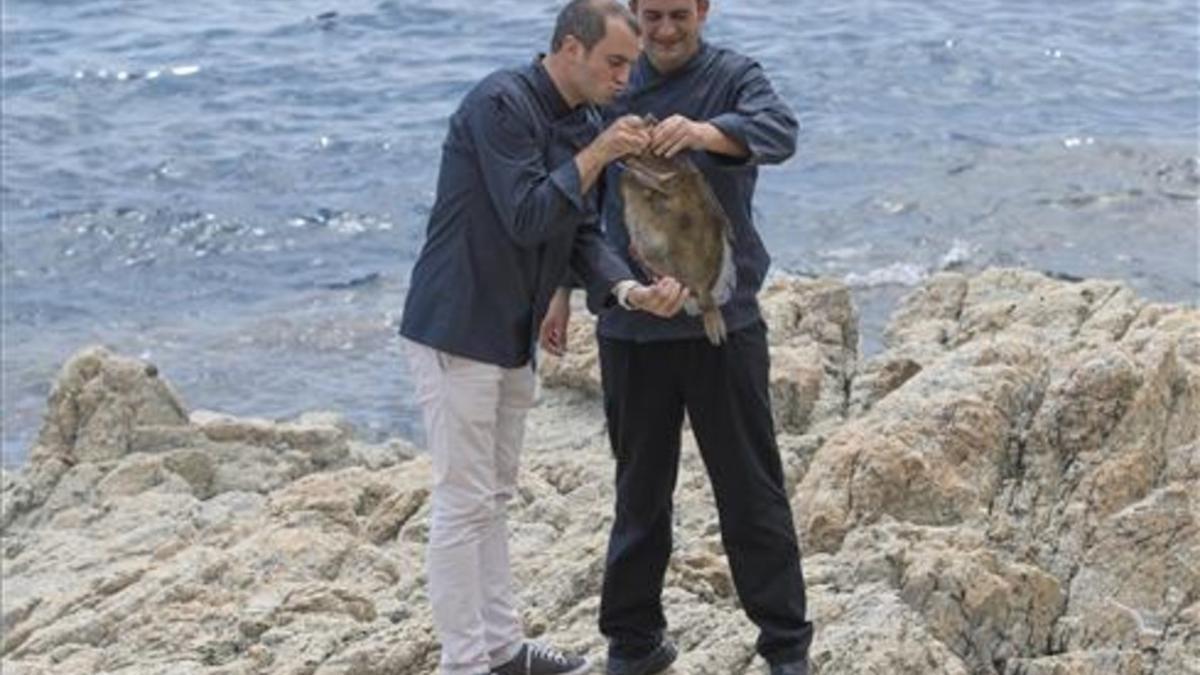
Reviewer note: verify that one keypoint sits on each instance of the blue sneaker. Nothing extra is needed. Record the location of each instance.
(538, 659)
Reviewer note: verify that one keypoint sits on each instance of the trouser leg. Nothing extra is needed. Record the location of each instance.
(502, 624)
(460, 403)
(645, 417)
(728, 402)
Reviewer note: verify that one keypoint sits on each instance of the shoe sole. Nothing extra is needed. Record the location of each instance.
(583, 668)
(578, 670)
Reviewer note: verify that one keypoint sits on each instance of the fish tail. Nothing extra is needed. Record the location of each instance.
(714, 326)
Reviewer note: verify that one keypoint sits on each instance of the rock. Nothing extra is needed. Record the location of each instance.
(327, 600)
(134, 475)
(98, 402)
(933, 453)
(381, 455)
(196, 468)
(879, 377)
(321, 437)
(1009, 488)
(395, 511)
(99, 409)
(16, 496)
(241, 467)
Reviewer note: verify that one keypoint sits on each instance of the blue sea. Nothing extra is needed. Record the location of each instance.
(236, 191)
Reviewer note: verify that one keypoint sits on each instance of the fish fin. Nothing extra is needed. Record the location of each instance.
(691, 306)
(727, 280)
(655, 180)
(714, 326)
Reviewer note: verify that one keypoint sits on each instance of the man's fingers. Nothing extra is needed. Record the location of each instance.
(634, 121)
(680, 300)
(643, 141)
(548, 341)
(675, 300)
(678, 297)
(658, 136)
(666, 297)
(635, 142)
(553, 343)
(628, 136)
(662, 141)
(674, 147)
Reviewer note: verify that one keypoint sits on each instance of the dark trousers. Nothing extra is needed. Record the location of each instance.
(647, 388)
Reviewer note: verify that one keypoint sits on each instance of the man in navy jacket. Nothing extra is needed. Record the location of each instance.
(719, 107)
(516, 213)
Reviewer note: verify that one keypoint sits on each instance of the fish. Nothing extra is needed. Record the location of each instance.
(677, 228)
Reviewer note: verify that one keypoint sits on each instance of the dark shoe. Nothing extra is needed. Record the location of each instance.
(654, 662)
(791, 668)
(539, 659)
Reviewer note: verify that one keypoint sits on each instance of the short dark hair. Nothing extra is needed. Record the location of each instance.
(587, 19)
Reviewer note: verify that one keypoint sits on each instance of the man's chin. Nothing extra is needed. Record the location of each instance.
(667, 59)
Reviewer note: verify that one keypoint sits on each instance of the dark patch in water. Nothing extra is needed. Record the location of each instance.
(1063, 276)
(356, 282)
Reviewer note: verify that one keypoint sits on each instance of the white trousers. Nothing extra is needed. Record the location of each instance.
(474, 416)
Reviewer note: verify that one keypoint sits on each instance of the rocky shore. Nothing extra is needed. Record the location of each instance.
(1011, 488)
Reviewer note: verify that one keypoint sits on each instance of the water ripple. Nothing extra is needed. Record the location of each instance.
(171, 169)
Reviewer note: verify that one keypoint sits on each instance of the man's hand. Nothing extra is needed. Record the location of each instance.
(629, 135)
(664, 297)
(553, 333)
(678, 133)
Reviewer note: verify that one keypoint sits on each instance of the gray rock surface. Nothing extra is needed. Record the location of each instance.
(1010, 488)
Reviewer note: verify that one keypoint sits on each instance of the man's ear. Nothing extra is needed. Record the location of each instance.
(701, 9)
(572, 46)
(633, 6)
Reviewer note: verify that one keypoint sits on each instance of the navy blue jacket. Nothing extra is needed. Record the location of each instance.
(731, 92)
(510, 222)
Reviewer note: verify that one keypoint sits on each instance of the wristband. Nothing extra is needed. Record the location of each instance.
(621, 291)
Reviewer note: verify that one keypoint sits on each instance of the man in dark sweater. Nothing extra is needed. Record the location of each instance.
(516, 211)
(717, 106)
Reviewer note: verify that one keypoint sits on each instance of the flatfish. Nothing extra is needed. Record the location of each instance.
(677, 228)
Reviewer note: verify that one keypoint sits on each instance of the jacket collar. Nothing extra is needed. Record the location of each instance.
(546, 91)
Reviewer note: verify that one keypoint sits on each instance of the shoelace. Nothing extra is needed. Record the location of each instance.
(544, 652)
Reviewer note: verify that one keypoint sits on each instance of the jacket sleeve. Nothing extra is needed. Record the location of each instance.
(596, 266)
(760, 120)
(534, 202)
